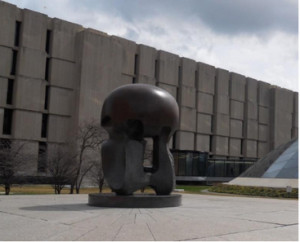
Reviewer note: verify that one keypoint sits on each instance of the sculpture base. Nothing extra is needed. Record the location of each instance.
(134, 201)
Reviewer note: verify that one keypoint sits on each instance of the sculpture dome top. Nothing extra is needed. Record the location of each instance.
(154, 107)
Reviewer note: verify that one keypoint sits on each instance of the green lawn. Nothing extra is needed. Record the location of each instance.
(45, 189)
(48, 189)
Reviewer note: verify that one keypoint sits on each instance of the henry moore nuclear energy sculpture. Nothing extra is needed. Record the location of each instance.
(130, 114)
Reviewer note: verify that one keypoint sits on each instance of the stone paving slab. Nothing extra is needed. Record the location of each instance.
(201, 217)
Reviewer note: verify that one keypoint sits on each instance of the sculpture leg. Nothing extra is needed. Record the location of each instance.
(135, 176)
(123, 166)
(163, 178)
(113, 163)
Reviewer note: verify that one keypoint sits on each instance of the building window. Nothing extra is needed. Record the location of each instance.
(17, 33)
(136, 58)
(7, 122)
(156, 70)
(210, 143)
(243, 129)
(48, 36)
(196, 80)
(242, 146)
(9, 94)
(174, 141)
(47, 69)
(44, 125)
(14, 63)
(46, 105)
(42, 158)
(135, 67)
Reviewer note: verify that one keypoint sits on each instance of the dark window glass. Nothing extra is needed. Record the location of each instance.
(136, 58)
(7, 122)
(210, 143)
(188, 164)
(46, 106)
(42, 159)
(14, 63)
(17, 33)
(174, 141)
(181, 164)
(156, 70)
(47, 69)
(243, 131)
(44, 126)
(196, 80)
(48, 36)
(133, 80)
(242, 146)
(10, 87)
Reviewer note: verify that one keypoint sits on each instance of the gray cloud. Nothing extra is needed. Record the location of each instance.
(236, 16)
(225, 16)
(222, 16)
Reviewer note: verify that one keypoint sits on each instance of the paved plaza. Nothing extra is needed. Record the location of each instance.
(201, 217)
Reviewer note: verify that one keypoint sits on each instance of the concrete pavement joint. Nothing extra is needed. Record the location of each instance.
(24, 216)
(188, 239)
(264, 222)
(115, 236)
(64, 231)
(149, 210)
(151, 217)
(86, 233)
(275, 211)
(116, 220)
(239, 232)
(151, 232)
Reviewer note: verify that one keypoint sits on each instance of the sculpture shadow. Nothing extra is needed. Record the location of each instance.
(62, 207)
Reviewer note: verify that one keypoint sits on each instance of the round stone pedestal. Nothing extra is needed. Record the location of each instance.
(134, 201)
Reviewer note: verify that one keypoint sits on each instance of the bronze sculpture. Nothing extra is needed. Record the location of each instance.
(129, 114)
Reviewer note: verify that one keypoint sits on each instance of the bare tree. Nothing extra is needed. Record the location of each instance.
(60, 167)
(90, 137)
(97, 175)
(11, 162)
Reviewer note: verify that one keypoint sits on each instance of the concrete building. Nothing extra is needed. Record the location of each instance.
(56, 74)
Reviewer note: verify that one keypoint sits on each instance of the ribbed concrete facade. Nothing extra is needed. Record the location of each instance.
(55, 75)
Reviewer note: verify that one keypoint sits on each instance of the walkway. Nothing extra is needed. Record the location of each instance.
(201, 217)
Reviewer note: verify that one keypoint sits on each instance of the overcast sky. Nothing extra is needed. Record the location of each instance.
(256, 38)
